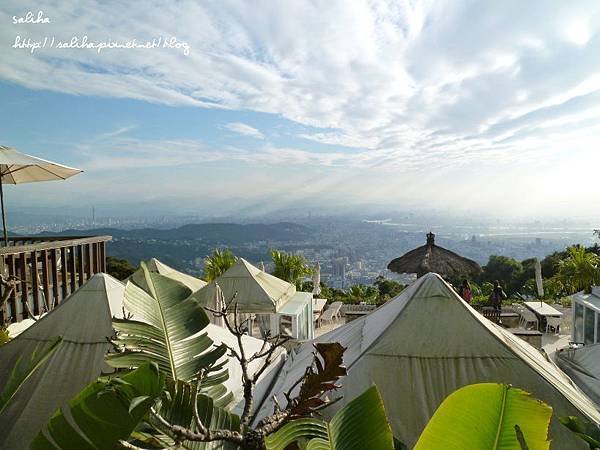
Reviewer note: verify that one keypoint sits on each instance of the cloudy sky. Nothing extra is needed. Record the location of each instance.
(265, 105)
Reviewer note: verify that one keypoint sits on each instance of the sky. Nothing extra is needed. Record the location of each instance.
(250, 107)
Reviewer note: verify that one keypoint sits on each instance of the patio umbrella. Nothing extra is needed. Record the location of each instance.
(317, 280)
(538, 279)
(17, 168)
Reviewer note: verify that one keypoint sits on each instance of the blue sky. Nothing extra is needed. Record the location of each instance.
(457, 105)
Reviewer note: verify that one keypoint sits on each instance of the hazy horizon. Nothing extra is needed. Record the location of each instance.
(465, 108)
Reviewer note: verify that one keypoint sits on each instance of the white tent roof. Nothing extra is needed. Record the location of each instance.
(583, 366)
(257, 291)
(83, 321)
(17, 167)
(425, 344)
(154, 265)
(191, 282)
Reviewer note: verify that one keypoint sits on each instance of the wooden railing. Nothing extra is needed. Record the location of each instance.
(40, 272)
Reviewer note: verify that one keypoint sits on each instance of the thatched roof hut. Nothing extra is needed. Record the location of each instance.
(432, 258)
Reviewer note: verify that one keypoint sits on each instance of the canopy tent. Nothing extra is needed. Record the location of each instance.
(154, 265)
(583, 366)
(423, 345)
(17, 168)
(83, 321)
(256, 291)
(433, 258)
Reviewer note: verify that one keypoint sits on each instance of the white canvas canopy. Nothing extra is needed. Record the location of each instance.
(84, 323)
(154, 265)
(423, 345)
(256, 291)
(583, 366)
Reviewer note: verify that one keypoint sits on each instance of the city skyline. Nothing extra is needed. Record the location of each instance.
(449, 106)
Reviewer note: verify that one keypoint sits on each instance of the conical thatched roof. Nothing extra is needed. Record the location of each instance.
(432, 258)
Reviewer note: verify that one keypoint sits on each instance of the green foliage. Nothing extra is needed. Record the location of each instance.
(24, 368)
(119, 268)
(497, 410)
(289, 267)
(580, 270)
(504, 269)
(169, 334)
(4, 337)
(387, 288)
(360, 424)
(217, 263)
(104, 412)
(587, 431)
(176, 406)
(362, 293)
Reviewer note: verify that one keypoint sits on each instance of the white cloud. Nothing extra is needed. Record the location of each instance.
(410, 86)
(245, 130)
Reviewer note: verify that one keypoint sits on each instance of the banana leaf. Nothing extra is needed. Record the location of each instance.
(103, 413)
(176, 406)
(589, 432)
(488, 416)
(24, 368)
(361, 424)
(168, 332)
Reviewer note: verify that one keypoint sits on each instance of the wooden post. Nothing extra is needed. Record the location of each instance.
(80, 265)
(88, 265)
(24, 287)
(55, 285)
(46, 278)
(95, 257)
(35, 286)
(103, 256)
(13, 297)
(65, 273)
(72, 268)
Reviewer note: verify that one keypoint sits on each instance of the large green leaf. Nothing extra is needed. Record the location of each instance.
(176, 406)
(169, 331)
(103, 413)
(24, 368)
(589, 432)
(486, 416)
(361, 424)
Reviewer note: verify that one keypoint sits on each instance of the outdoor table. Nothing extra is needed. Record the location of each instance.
(543, 310)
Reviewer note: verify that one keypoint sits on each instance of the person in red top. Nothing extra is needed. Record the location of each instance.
(465, 292)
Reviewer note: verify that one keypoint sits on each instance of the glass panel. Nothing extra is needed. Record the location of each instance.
(578, 322)
(597, 327)
(590, 326)
(285, 325)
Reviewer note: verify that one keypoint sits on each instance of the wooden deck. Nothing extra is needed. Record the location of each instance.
(40, 272)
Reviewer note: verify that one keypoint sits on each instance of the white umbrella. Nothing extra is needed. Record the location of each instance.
(17, 168)
(219, 305)
(317, 280)
(538, 279)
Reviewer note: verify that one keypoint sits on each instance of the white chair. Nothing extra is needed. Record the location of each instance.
(336, 307)
(327, 316)
(527, 317)
(554, 323)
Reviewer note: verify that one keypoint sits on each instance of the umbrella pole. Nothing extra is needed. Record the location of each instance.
(3, 215)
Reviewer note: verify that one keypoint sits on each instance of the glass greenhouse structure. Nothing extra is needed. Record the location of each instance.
(586, 317)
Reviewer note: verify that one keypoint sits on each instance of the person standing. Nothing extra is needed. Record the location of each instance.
(465, 291)
(497, 296)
